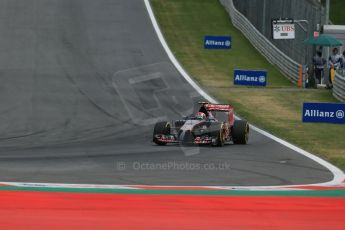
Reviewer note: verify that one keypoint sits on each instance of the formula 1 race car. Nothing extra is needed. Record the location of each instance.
(213, 124)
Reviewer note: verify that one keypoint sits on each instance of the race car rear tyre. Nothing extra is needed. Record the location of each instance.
(162, 127)
(218, 136)
(240, 132)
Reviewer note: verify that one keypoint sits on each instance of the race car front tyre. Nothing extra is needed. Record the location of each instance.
(218, 138)
(240, 132)
(161, 128)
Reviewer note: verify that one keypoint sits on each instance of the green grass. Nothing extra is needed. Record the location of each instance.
(276, 108)
(336, 11)
(337, 14)
(186, 22)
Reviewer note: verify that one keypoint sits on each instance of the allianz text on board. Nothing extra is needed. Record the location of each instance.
(250, 77)
(217, 42)
(324, 112)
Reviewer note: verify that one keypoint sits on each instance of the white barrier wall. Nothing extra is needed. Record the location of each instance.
(339, 85)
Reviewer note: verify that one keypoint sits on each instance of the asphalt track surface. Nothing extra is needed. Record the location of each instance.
(81, 84)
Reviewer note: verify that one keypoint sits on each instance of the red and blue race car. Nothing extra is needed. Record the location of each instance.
(213, 124)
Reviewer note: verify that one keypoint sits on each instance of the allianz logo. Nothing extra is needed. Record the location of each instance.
(317, 113)
(218, 43)
(261, 79)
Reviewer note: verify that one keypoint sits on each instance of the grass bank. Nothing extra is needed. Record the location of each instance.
(276, 108)
(336, 13)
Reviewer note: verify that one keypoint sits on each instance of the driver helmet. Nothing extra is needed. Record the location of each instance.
(200, 116)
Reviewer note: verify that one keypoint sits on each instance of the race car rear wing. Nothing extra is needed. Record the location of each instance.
(217, 107)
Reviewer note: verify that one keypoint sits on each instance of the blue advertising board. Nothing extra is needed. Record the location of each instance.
(324, 112)
(250, 77)
(217, 42)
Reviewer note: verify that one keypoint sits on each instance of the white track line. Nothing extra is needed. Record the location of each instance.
(339, 176)
(63, 185)
(153, 187)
